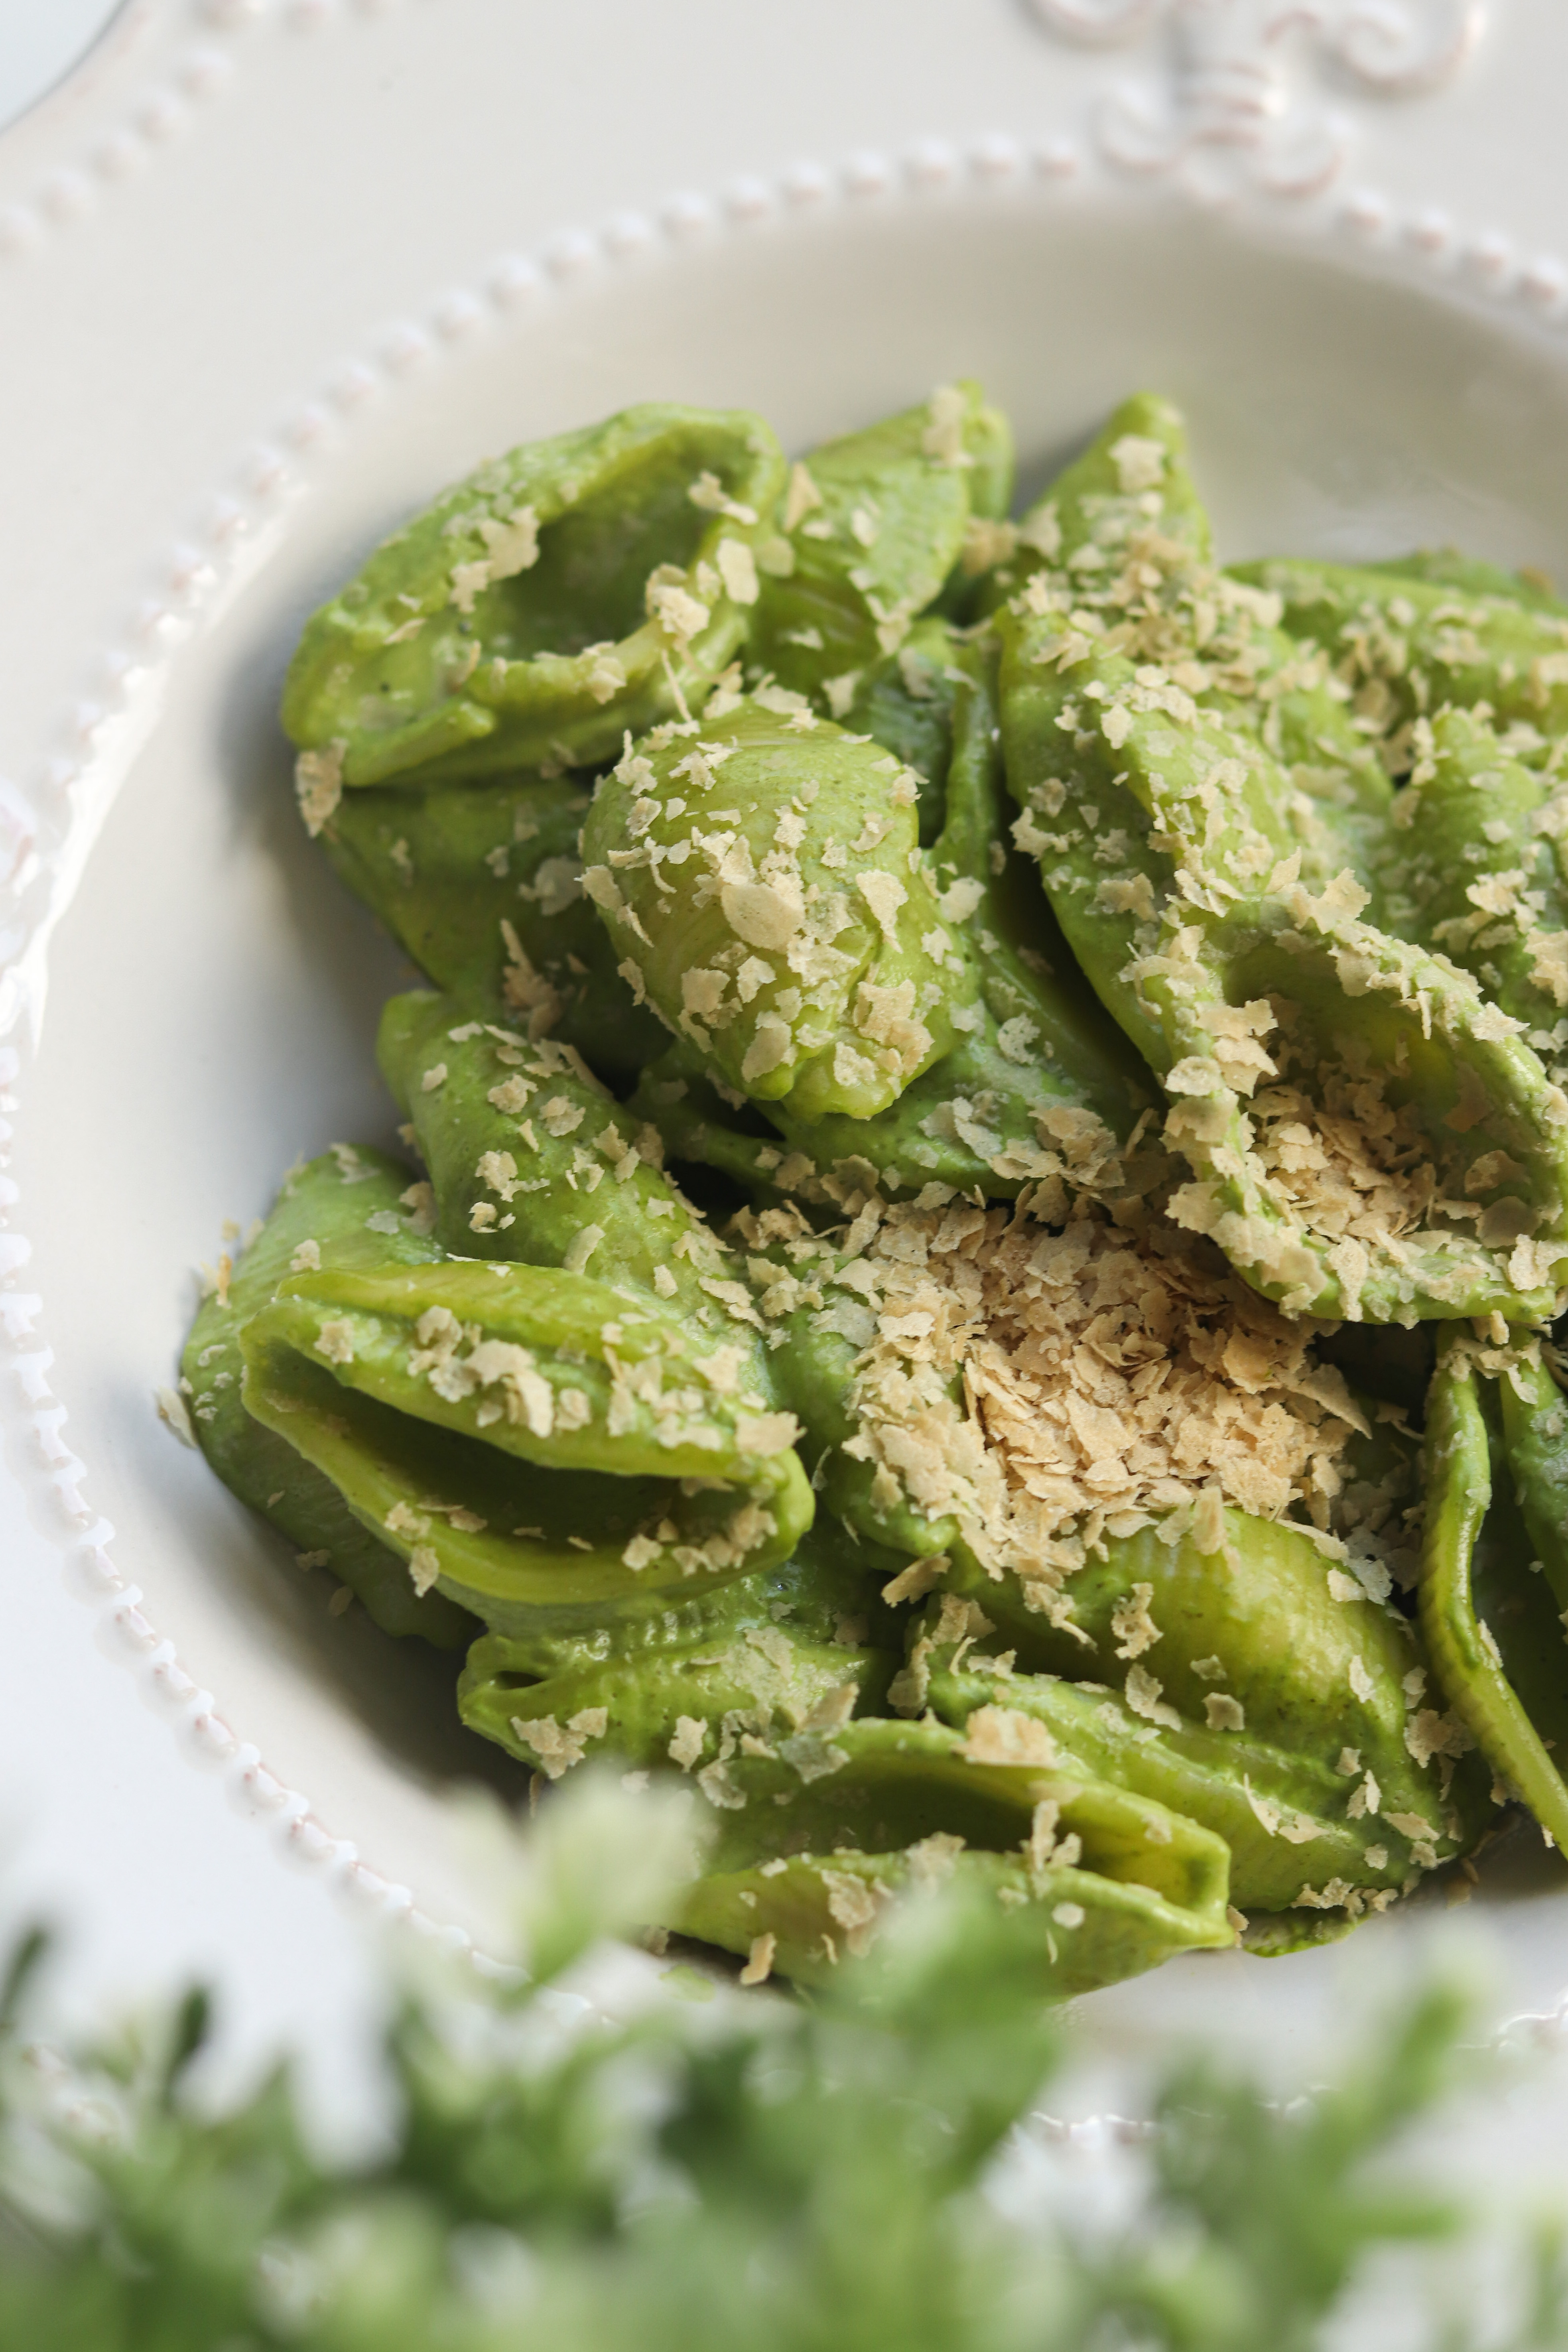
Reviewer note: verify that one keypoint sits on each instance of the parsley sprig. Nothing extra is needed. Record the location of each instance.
(790, 2175)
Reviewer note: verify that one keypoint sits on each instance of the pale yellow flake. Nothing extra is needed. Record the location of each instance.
(763, 1435)
(688, 1741)
(759, 1965)
(1003, 1735)
(1134, 1627)
(801, 498)
(738, 571)
(884, 894)
(855, 1904)
(1140, 463)
(914, 1582)
(174, 1410)
(560, 1745)
(335, 1340)
(319, 784)
(1142, 1692)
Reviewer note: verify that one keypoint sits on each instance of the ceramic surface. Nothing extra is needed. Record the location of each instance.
(190, 998)
(39, 44)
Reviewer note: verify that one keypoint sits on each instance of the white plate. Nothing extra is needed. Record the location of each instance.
(39, 44)
(210, 994)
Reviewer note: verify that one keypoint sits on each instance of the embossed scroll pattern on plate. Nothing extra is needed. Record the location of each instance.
(1253, 81)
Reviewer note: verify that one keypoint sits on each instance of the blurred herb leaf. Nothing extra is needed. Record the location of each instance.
(792, 2175)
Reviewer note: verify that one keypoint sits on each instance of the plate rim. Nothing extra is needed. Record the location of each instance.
(244, 523)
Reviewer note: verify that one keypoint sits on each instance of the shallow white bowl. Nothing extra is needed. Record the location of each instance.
(210, 997)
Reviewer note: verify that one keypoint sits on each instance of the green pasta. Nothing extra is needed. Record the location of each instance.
(514, 1371)
(1166, 828)
(1486, 1604)
(481, 884)
(1104, 1882)
(877, 525)
(964, 1056)
(559, 595)
(763, 875)
(1407, 646)
(348, 1208)
(1030, 1054)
